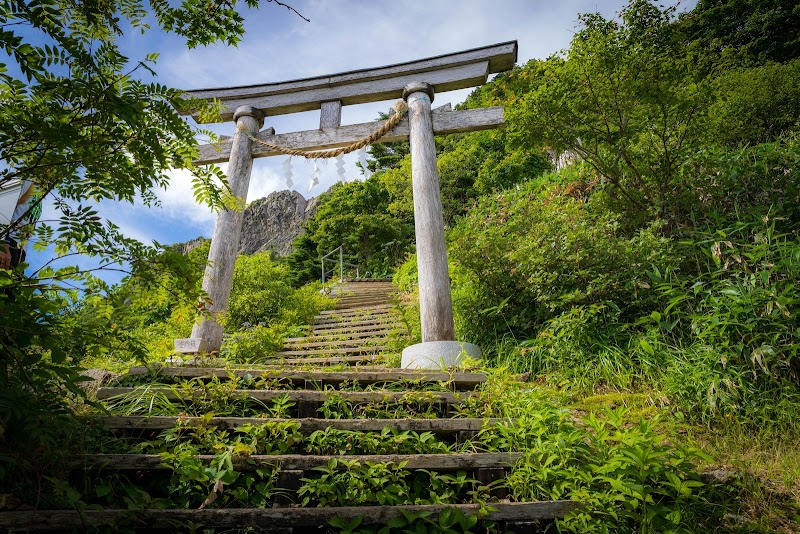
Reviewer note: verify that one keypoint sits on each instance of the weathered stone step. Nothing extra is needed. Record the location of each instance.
(378, 334)
(373, 309)
(296, 395)
(357, 326)
(355, 318)
(367, 349)
(438, 426)
(360, 342)
(270, 518)
(303, 462)
(332, 360)
(459, 380)
(356, 305)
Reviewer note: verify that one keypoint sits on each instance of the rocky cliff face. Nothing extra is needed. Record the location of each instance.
(272, 223)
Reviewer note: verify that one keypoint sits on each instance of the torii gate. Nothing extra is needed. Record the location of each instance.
(415, 82)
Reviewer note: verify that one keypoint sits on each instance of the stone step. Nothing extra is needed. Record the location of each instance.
(438, 426)
(301, 378)
(366, 349)
(341, 343)
(355, 318)
(378, 334)
(304, 462)
(270, 518)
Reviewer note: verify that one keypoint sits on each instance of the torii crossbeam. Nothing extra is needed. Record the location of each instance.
(415, 82)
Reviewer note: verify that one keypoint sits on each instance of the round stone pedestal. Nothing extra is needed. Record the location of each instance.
(438, 354)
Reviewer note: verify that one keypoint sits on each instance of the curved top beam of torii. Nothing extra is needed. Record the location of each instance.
(416, 82)
(447, 72)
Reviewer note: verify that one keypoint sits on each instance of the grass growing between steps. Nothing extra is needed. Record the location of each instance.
(628, 471)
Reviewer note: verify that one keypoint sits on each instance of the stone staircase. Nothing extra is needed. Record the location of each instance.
(342, 361)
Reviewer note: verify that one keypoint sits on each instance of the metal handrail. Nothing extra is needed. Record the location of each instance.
(341, 262)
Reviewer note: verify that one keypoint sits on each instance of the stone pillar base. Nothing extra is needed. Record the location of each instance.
(438, 354)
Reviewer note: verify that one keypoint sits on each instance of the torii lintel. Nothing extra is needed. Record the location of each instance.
(447, 72)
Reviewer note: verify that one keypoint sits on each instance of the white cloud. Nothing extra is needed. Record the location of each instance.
(264, 180)
(178, 203)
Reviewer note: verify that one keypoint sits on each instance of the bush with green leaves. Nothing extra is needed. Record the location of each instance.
(627, 99)
(755, 105)
(261, 293)
(530, 254)
(758, 180)
(628, 478)
(734, 321)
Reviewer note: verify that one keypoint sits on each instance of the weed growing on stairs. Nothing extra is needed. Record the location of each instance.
(350, 482)
(387, 441)
(448, 521)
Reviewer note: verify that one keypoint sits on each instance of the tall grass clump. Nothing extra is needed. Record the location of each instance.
(733, 321)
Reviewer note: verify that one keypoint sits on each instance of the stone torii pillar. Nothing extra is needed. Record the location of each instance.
(439, 347)
(218, 277)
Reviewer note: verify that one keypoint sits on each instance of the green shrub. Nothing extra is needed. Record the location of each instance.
(628, 478)
(590, 348)
(755, 105)
(509, 170)
(761, 180)
(734, 321)
(525, 256)
(253, 344)
(260, 290)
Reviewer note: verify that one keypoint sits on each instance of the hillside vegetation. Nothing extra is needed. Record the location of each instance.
(629, 244)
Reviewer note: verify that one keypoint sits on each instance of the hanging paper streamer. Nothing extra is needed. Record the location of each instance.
(287, 172)
(362, 159)
(314, 177)
(340, 167)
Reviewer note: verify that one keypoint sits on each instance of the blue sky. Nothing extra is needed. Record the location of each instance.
(343, 35)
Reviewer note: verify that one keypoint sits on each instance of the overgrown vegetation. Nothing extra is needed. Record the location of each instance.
(626, 475)
(630, 243)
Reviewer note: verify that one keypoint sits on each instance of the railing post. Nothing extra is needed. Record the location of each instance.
(323, 270)
(341, 264)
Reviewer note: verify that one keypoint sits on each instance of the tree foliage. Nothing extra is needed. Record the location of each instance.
(744, 31)
(85, 124)
(624, 98)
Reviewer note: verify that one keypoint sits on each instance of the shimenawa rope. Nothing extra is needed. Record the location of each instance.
(400, 108)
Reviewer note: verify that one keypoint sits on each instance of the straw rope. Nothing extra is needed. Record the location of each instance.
(400, 108)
